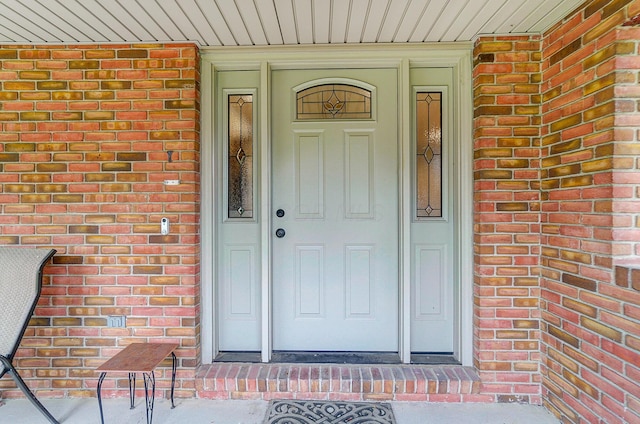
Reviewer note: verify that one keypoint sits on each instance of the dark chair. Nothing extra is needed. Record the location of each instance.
(20, 286)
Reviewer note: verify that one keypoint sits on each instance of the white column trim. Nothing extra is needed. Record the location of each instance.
(404, 198)
(465, 213)
(208, 229)
(265, 210)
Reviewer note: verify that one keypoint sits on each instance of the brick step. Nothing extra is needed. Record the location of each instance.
(337, 381)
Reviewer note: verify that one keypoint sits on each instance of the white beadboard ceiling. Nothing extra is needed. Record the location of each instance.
(272, 22)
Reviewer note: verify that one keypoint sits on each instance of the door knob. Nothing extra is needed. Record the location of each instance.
(280, 213)
(280, 232)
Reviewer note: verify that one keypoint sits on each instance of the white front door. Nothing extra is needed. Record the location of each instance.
(335, 217)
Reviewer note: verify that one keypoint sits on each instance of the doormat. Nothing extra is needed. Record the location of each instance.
(328, 412)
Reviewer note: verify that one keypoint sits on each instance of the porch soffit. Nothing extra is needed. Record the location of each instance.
(213, 23)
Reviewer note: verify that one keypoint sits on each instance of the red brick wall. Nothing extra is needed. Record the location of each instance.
(83, 157)
(556, 186)
(591, 317)
(506, 217)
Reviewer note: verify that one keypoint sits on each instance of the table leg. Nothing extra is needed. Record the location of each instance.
(149, 386)
(102, 375)
(173, 377)
(132, 390)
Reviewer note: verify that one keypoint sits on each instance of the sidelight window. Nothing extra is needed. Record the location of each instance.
(240, 146)
(429, 159)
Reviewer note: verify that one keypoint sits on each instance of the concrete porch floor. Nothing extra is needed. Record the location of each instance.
(203, 411)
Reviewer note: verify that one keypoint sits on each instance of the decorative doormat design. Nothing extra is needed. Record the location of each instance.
(328, 412)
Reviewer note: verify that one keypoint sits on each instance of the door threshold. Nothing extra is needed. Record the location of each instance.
(434, 358)
(356, 358)
(297, 357)
(251, 357)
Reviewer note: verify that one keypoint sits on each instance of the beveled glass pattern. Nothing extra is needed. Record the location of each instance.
(333, 101)
(240, 158)
(428, 154)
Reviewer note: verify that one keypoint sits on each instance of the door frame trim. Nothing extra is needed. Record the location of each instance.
(403, 58)
(265, 212)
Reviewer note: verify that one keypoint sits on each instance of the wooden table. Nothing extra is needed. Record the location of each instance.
(144, 358)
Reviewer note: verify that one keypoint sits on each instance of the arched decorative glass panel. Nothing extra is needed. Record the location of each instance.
(333, 101)
(428, 155)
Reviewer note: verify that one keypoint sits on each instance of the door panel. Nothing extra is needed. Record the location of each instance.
(433, 283)
(309, 280)
(309, 163)
(429, 296)
(240, 282)
(335, 271)
(358, 280)
(238, 255)
(359, 184)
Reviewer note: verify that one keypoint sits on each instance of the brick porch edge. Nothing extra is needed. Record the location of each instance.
(340, 382)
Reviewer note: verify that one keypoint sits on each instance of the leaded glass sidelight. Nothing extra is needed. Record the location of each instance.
(240, 157)
(333, 101)
(428, 154)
